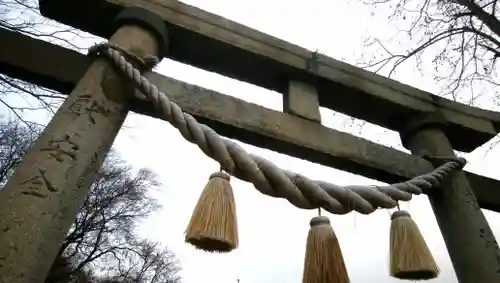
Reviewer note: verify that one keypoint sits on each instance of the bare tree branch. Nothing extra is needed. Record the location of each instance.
(23, 16)
(102, 238)
(460, 37)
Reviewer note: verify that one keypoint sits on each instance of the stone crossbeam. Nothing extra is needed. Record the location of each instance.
(213, 43)
(60, 69)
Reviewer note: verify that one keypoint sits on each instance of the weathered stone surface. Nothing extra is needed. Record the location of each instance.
(217, 44)
(302, 100)
(240, 120)
(470, 242)
(41, 199)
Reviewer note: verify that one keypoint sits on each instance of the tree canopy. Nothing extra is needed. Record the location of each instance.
(102, 245)
(460, 38)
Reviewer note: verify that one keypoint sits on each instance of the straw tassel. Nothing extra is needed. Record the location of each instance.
(324, 262)
(410, 258)
(213, 226)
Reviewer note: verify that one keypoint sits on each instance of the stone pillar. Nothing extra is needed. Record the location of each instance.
(40, 201)
(472, 247)
(302, 100)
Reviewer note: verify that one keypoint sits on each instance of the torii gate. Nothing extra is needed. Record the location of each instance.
(33, 227)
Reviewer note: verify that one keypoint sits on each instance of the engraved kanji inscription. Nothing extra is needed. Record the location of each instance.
(88, 170)
(85, 105)
(38, 185)
(58, 148)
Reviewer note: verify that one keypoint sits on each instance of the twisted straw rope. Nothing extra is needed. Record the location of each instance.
(267, 177)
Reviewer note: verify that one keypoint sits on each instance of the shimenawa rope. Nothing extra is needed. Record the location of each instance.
(265, 176)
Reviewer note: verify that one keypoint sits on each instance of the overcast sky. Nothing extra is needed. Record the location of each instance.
(273, 232)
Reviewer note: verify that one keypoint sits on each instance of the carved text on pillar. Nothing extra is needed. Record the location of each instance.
(58, 148)
(89, 168)
(38, 185)
(85, 105)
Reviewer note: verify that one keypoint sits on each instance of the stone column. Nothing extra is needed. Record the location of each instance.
(302, 100)
(472, 247)
(40, 201)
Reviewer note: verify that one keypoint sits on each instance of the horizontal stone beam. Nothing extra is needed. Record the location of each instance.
(58, 68)
(216, 44)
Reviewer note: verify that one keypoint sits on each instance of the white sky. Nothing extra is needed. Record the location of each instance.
(273, 232)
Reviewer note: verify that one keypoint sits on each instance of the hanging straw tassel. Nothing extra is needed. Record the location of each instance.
(410, 257)
(323, 262)
(213, 226)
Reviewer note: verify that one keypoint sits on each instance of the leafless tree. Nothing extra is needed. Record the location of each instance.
(146, 263)
(14, 141)
(102, 243)
(23, 16)
(459, 38)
